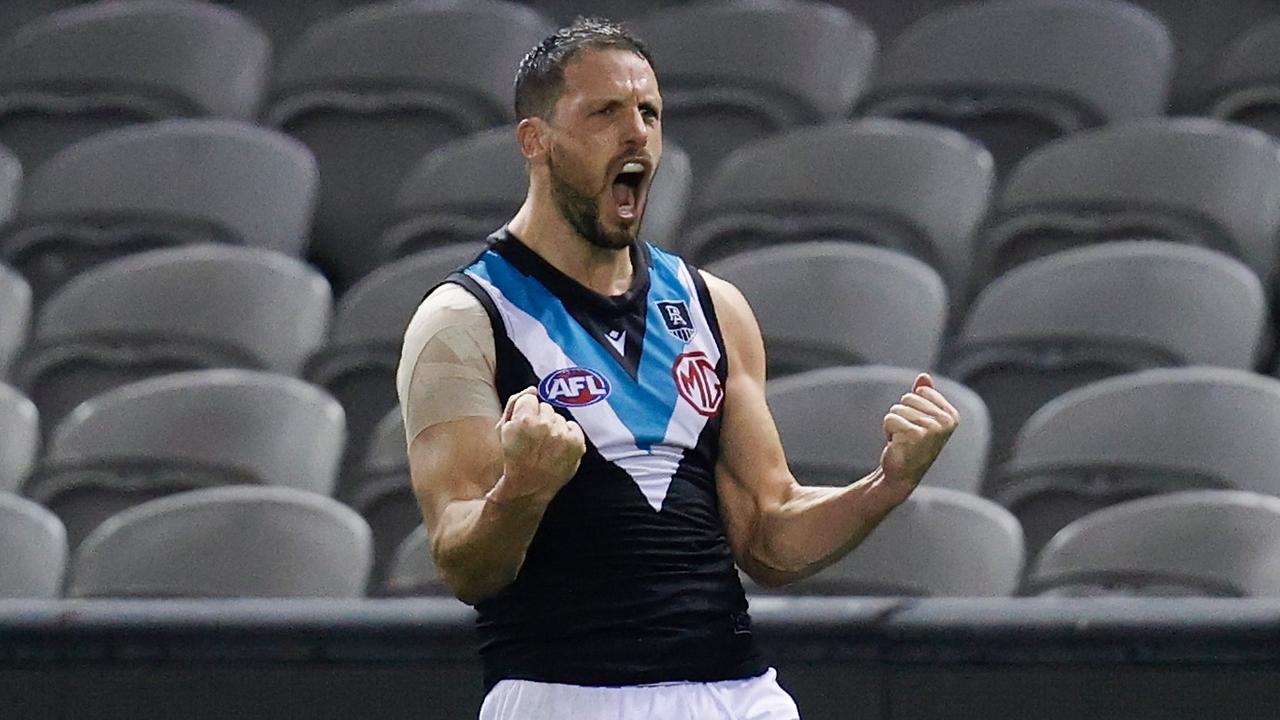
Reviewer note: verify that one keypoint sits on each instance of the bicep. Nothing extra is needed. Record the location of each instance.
(452, 461)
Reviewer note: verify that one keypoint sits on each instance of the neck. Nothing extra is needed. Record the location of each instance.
(540, 226)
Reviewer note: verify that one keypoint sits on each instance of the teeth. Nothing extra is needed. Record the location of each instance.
(633, 167)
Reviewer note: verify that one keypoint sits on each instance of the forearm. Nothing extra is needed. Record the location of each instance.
(816, 526)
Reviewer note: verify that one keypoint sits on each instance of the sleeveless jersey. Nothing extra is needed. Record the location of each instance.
(629, 578)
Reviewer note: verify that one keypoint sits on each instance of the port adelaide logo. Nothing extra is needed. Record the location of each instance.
(573, 387)
(675, 315)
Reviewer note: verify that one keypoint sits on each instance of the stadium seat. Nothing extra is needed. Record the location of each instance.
(1081, 315)
(157, 185)
(373, 90)
(939, 543)
(33, 550)
(471, 187)
(381, 491)
(412, 570)
(1189, 180)
(1244, 85)
(163, 311)
(15, 317)
(224, 543)
(1198, 543)
(186, 431)
(1016, 74)
(837, 303)
(830, 424)
(1141, 434)
(19, 437)
(105, 65)
(907, 186)
(736, 71)
(358, 362)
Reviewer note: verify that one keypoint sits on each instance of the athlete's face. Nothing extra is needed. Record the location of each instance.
(604, 143)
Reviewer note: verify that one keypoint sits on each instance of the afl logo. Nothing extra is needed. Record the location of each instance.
(697, 382)
(573, 387)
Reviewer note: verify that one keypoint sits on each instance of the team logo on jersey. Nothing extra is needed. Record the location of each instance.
(675, 315)
(573, 387)
(697, 382)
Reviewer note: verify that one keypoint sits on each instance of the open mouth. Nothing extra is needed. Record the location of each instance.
(626, 190)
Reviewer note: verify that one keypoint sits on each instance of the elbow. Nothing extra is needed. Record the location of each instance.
(468, 584)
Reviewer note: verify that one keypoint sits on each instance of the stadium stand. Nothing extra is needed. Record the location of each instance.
(1015, 74)
(1202, 543)
(249, 542)
(373, 90)
(1081, 315)
(1190, 180)
(186, 431)
(156, 185)
(15, 317)
(735, 71)
(881, 307)
(163, 311)
(905, 186)
(33, 550)
(412, 570)
(939, 543)
(830, 424)
(19, 437)
(1244, 85)
(467, 189)
(99, 66)
(382, 492)
(1146, 433)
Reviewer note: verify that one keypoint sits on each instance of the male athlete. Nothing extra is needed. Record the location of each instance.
(588, 434)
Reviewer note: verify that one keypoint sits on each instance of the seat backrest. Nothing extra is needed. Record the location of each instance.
(1204, 542)
(468, 188)
(33, 550)
(277, 429)
(1243, 85)
(10, 183)
(227, 542)
(939, 543)
(839, 303)
(15, 316)
(830, 424)
(19, 437)
(412, 571)
(1191, 180)
(388, 446)
(909, 186)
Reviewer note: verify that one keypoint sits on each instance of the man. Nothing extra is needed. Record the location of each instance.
(588, 434)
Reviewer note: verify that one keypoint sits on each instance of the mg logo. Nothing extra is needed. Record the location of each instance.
(697, 382)
(573, 387)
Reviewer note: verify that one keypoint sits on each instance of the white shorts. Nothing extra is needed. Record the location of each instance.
(757, 698)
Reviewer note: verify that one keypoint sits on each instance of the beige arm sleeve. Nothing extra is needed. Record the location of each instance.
(447, 363)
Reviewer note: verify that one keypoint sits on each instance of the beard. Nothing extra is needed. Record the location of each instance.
(582, 213)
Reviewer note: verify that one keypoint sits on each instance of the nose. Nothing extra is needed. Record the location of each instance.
(635, 131)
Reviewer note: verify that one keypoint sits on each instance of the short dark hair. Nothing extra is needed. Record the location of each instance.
(540, 79)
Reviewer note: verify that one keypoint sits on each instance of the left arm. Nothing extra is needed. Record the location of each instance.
(781, 531)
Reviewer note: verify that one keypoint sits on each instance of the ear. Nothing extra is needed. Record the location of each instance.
(531, 134)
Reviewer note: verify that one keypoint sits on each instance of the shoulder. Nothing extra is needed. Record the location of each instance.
(731, 306)
(450, 316)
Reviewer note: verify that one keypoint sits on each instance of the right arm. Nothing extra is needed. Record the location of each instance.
(483, 486)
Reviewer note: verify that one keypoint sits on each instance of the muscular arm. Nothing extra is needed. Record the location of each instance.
(781, 531)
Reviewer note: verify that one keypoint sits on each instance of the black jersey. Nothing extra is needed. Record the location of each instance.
(629, 578)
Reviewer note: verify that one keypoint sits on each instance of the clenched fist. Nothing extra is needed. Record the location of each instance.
(916, 429)
(540, 449)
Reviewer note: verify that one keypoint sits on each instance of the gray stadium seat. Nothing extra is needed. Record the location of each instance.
(907, 186)
(1081, 315)
(19, 438)
(157, 185)
(224, 543)
(412, 570)
(15, 317)
(830, 424)
(1190, 180)
(735, 71)
(33, 550)
(104, 65)
(162, 311)
(939, 543)
(839, 303)
(357, 364)
(467, 189)
(1195, 543)
(1015, 74)
(10, 183)
(381, 490)
(373, 90)
(1141, 434)
(1244, 84)
(185, 431)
